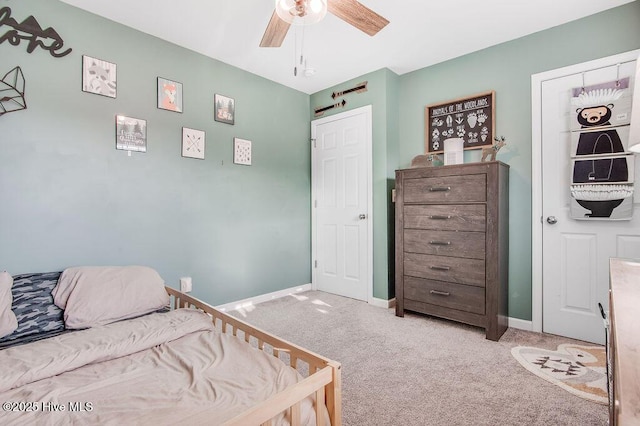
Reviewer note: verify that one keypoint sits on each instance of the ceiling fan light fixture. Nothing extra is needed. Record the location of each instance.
(301, 12)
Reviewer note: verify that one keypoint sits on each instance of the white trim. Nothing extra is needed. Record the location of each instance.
(520, 324)
(240, 304)
(536, 169)
(367, 111)
(383, 303)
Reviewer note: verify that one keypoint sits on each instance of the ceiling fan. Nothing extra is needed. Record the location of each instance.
(309, 11)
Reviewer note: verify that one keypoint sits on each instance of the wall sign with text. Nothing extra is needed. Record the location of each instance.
(471, 118)
(30, 31)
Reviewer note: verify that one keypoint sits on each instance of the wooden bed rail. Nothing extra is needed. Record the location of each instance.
(323, 379)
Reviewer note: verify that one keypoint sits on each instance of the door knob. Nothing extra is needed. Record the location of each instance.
(551, 220)
(362, 216)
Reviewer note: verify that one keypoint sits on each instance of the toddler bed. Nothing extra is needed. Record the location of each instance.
(132, 360)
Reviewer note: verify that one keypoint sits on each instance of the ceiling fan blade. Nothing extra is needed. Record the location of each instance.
(354, 13)
(275, 32)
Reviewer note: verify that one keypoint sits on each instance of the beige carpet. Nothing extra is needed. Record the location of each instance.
(578, 369)
(423, 371)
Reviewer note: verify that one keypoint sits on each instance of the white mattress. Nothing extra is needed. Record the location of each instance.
(164, 368)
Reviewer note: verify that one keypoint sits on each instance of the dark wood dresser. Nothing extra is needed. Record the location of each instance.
(452, 243)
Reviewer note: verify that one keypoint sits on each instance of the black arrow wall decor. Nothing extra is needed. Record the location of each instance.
(320, 111)
(359, 88)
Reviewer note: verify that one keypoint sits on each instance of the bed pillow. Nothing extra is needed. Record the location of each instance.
(8, 321)
(33, 307)
(98, 295)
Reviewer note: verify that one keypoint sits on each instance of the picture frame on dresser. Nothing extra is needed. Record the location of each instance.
(452, 243)
(470, 118)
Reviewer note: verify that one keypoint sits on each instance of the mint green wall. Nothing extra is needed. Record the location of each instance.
(380, 95)
(70, 198)
(507, 69)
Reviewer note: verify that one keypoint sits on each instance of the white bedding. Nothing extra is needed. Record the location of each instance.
(164, 368)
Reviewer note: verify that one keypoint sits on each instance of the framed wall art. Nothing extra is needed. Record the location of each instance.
(99, 77)
(470, 118)
(224, 109)
(169, 95)
(242, 151)
(131, 134)
(193, 143)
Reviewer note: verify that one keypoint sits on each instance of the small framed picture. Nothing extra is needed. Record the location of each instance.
(241, 151)
(131, 134)
(169, 95)
(224, 109)
(193, 143)
(98, 76)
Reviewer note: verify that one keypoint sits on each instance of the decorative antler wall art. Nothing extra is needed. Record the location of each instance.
(12, 92)
(30, 30)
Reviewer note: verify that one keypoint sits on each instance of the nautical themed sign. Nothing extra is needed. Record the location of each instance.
(471, 119)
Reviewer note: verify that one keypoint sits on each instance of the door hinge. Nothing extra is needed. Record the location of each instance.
(315, 263)
(314, 142)
(315, 203)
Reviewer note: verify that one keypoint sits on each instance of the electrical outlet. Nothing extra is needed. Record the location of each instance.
(186, 285)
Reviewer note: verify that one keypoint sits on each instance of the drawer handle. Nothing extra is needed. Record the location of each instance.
(439, 217)
(440, 189)
(440, 293)
(440, 243)
(440, 268)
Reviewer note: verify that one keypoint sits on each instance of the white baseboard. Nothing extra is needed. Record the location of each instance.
(383, 303)
(243, 304)
(234, 306)
(520, 324)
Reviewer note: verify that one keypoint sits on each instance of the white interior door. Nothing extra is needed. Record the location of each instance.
(575, 253)
(341, 196)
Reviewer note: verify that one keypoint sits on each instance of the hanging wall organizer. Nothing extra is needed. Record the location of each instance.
(602, 168)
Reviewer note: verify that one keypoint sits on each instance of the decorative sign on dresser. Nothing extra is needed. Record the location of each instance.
(452, 243)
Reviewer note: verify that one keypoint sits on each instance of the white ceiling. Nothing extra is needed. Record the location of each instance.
(420, 33)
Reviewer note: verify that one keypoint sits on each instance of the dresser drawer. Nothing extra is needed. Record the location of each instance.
(448, 189)
(447, 217)
(455, 296)
(451, 243)
(443, 268)
(445, 243)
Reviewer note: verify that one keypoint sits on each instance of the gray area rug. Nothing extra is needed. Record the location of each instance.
(419, 370)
